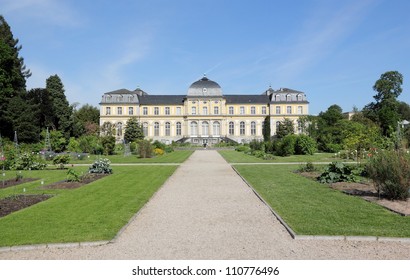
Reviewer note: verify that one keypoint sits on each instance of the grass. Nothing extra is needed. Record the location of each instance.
(174, 157)
(232, 156)
(311, 208)
(96, 211)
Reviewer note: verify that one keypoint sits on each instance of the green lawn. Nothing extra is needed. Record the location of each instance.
(96, 211)
(232, 156)
(311, 208)
(174, 157)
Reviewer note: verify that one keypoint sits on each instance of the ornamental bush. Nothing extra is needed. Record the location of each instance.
(101, 166)
(158, 151)
(305, 145)
(286, 146)
(390, 173)
(337, 172)
(27, 161)
(61, 160)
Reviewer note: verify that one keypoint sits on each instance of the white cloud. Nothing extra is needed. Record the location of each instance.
(48, 11)
(318, 38)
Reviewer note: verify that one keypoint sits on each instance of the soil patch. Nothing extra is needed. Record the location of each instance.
(14, 182)
(367, 192)
(14, 203)
(86, 179)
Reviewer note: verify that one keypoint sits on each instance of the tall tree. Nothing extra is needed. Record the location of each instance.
(61, 108)
(284, 128)
(266, 129)
(13, 74)
(133, 130)
(384, 110)
(86, 120)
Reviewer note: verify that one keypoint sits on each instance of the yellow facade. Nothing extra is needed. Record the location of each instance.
(204, 115)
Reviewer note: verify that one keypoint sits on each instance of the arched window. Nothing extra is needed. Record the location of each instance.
(253, 128)
(216, 128)
(288, 97)
(277, 125)
(231, 128)
(179, 129)
(119, 129)
(205, 128)
(167, 129)
(300, 98)
(194, 128)
(156, 129)
(277, 98)
(145, 128)
(242, 128)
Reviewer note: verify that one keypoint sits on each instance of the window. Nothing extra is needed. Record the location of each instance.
(205, 111)
(300, 97)
(108, 111)
(205, 128)
(193, 110)
(288, 97)
(216, 110)
(119, 129)
(253, 110)
(178, 110)
(156, 110)
(231, 128)
(253, 128)
(300, 127)
(300, 110)
(277, 110)
(130, 111)
(145, 128)
(231, 110)
(263, 110)
(167, 129)
(277, 126)
(242, 128)
(167, 111)
(242, 110)
(179, 129)
(119, 110)
(216, 128)
(145, 111)
(156, 129)
(277, 98)
(194, 128)
(288, 110)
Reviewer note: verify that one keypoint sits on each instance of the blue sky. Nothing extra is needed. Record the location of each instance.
(334, 51)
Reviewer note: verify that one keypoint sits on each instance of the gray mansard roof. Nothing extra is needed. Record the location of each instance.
(287, 95)
(162, 99)
(245, 99)
(120, 96)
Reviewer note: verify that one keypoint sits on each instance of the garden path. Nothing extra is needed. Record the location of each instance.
(206, 211)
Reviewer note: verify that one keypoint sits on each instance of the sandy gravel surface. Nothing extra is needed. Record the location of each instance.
(206, 211)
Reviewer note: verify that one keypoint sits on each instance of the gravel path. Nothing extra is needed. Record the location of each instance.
(206, 211)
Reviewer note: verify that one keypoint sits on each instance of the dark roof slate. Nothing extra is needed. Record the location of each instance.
(247, 99)
(162, 99)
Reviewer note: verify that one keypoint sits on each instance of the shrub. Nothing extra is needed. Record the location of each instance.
(268, 157)
(286, 146)
(390, 173)
(108, 144)
(27, 161)
(305, 145)
(158, 145)
(256, 145)
(242, 148)
(73, 176)
(169, 149)
(158, 151)
(144, 149)
(337, 172)
(101, 166)
(258, 154)
(308, 167)
(61, 160)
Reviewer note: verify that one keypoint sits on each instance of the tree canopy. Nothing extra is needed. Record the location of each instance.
(133, 130)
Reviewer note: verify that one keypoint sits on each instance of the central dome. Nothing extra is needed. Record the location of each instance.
(205, 87)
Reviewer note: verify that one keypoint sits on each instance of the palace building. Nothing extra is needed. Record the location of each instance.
(204, 115)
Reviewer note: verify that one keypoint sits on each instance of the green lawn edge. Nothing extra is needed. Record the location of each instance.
(311, 208)
(94, 212)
